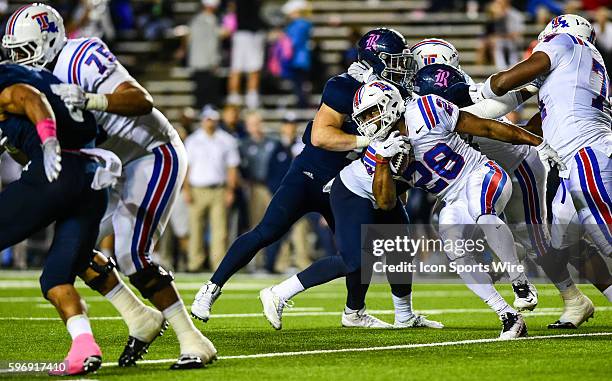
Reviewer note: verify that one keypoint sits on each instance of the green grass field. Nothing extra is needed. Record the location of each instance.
(312, 344)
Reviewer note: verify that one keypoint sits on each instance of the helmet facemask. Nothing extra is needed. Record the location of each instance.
(26, 52)
(399, 68)
(376, 121)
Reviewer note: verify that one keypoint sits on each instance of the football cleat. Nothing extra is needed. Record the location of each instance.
(273, 307)
(135, 349)
(513, 326)
(187, 362)
(84, 357)
(363, 320)
(418, 321)
(525, 296)
(576, 311)
(204, 299)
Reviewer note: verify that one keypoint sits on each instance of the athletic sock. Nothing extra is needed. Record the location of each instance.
(288, 288)
(498, 304)
(608, 293)
(403, 307)
(135, 313)
(565, 285)
(187, 334)
(348, 311)
(78, 325)
(500, 240)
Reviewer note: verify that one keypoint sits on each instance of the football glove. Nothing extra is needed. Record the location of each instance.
(391, 146)
(549, 156)
(52, 158)
(361, 72)
(75, 97)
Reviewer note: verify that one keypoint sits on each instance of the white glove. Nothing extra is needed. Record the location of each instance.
(52, 158)
(76, 98)
(361, 72)
(391, 146)
(549, 156)
(475, 91)
(72, 95)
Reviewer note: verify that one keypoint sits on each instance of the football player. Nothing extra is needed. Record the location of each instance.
(351, 210)
(473, 188)
(154, 165)
(575, 117)
(56, 186)
(331, 140)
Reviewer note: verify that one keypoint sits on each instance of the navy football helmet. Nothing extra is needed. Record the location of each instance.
(385, 51)
(443, 80)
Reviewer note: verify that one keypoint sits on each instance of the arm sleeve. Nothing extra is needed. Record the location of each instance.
(557, 47)
(495, 107)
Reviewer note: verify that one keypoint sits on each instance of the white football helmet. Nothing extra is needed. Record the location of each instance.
(575, 25)
(34, 35)
(377, 96)
(435, 50)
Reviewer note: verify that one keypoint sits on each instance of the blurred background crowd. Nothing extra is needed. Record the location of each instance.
(239, 79)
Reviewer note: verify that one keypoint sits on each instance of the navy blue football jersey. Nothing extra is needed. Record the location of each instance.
(337, 94)
(21, 133)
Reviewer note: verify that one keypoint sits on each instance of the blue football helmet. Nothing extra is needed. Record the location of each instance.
(442, 80)
(385, 51)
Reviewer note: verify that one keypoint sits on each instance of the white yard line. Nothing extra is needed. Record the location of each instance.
(372, 349)
(316, 311)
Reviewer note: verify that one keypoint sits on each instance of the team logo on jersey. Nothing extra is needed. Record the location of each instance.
(44, 23)
(381, 86)
(442, 78)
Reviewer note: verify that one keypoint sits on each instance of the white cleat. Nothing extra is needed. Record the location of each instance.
(525, 296)
(513, 326)
(576, 311)
(204, 299)
(273, 307)
(418, 321)
(363, 320)
(199, 352)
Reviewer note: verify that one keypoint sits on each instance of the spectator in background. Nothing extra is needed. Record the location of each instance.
(298, 32)
(91, 18)
(212, 177)
(255, 152)
(248, 46)
(603, 30)
(507, 27)
(203, 51)
(231, 122)
(155, 18)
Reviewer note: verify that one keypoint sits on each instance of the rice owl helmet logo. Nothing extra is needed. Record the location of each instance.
(44, 23)
(371, 42)
(442, 78)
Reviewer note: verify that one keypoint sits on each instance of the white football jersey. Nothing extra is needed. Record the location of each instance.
(442, 159)
(574, 99)
(358, 176)
(87, 62)
(508, 155)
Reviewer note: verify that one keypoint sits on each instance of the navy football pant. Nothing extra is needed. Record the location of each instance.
(32, 203)
(300, 192)
(350, 211)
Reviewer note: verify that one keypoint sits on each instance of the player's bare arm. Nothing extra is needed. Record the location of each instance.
(492, 129)
(520, 74)
(383, 186)
(535, 124)
(130, 99)
(327, 133)
(22, 99)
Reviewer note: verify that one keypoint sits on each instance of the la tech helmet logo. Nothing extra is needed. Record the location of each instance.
(43, 21)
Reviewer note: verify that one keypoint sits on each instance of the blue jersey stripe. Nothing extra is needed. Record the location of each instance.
(424, 113)
(433, 108)
(76, 52)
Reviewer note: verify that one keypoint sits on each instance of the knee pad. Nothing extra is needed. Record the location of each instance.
(151, 280)
(103, 271)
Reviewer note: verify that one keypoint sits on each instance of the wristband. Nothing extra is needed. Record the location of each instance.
(381, 161)
(362, 141)
(46, 129)
(97, 102)
(487, 92)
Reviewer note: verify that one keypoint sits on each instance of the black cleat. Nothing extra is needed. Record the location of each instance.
(92, 364)
(562, 325)
(135, 349)
(513, 326)
(187, 362)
